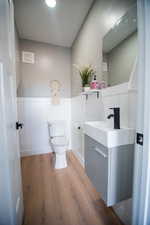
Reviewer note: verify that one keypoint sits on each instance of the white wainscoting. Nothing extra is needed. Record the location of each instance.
(34, 113)
(83, 110)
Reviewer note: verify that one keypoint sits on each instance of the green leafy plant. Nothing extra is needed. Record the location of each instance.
(85, 73)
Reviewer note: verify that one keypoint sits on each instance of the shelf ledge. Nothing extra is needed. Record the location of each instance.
(90, 92)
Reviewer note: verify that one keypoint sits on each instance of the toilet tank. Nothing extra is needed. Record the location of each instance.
(57, 128)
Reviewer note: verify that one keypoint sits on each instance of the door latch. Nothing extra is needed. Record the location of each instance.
(19, 125)
(139, 139)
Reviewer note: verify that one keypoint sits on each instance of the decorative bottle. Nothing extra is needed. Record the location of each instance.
(94, 83)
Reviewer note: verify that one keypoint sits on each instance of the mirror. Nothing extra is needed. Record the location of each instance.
(120, 49)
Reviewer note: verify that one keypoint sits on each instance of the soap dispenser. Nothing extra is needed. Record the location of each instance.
(94, 83)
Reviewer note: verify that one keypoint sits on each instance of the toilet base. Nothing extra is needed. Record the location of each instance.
(60, 160)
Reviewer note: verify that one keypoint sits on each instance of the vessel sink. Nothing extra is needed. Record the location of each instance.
(101, 132)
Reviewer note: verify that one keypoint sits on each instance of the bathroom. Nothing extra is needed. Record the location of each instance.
(60, 117)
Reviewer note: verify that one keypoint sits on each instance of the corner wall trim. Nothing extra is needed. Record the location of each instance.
(79, 157)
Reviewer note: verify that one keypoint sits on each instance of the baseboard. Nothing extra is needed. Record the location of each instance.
(30, 152)
(79, 157)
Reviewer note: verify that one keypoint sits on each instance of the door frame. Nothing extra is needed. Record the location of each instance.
(141, 187)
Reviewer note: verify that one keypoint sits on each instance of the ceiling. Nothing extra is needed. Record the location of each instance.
(58, 26)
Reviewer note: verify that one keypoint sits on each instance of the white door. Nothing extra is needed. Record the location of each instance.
(141, 190)
(11, 201)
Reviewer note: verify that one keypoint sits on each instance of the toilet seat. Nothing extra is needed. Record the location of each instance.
(59, 141)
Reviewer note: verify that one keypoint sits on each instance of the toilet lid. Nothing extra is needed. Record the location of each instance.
(60, 141)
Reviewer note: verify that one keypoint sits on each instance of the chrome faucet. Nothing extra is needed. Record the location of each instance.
(116, 117)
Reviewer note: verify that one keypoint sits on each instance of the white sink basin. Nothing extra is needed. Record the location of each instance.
(102, 133)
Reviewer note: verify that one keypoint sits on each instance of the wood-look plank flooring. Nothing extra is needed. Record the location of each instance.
(61, 197)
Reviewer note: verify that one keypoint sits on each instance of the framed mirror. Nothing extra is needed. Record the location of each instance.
(120, 49)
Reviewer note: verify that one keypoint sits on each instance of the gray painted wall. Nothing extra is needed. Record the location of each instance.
(121, 60)
(87, 48)
(51, 63)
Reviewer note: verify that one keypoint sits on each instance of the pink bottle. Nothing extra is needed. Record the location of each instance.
(94, 83)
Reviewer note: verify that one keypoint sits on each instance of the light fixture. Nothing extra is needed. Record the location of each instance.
(111, 21)
(50, 3)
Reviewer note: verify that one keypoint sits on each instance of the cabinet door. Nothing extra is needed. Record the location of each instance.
(120, 174)
(96, 165)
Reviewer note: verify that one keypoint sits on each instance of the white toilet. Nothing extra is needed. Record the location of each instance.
(58, 142)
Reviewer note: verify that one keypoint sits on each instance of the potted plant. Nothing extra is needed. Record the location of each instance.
(86, 74)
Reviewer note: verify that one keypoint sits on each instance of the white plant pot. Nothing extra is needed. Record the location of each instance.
(86, 88)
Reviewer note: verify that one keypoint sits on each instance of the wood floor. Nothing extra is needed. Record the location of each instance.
(61, 197)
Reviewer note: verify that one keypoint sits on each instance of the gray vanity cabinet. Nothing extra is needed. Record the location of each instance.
(110, 170)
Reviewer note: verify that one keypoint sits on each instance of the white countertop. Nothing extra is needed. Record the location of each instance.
(109, 137)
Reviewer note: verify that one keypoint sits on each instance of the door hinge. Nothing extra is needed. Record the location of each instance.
(139, 139)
